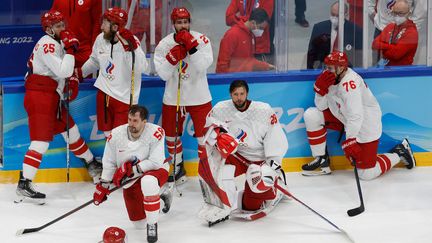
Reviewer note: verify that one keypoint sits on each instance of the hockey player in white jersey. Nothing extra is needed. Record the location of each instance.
(50, 65)
(242, 137)
(193, 51)
(345, 103)
(114, 53)
(136, 150)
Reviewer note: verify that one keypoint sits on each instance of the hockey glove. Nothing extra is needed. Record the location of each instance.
(226, 144)
(126, 170)
(127, 39)
(323, 82)
(185, 38)
(101, 193)
(73, 84)
(176, 54)
(351, 149)
(70, 42)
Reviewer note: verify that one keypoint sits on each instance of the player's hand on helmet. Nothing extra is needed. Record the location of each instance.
(226, 144)
(127, 39)
(101, 193)
(73, 85)
(126, 170)
(323, 82)
(185, 38)
(351, 149)
(176, 54)
(70, 42)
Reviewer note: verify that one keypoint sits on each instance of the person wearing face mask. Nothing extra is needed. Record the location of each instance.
(236, 51)
(344, 102)
(324, 39)
(185, 55)
(398, 41)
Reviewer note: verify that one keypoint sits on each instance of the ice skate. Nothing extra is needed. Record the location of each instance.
(319, 166)
(405, 153)
(25, 190)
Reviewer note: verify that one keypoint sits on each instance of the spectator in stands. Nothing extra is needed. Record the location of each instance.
(300, 9)
(398, 41)
(324, 40)
(240, 10)
(237, 47)
(140, 25)
(84, 20)
(380, 13)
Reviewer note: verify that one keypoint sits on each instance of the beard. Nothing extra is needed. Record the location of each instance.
(240, 104)
(133, 130)
(108, 36)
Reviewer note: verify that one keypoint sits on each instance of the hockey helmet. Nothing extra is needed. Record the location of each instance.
(180, 13)
(336, 58)
(117, 16)
(114, 235)
(50, 18)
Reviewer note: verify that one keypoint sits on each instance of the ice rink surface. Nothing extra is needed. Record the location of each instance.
(398, 209)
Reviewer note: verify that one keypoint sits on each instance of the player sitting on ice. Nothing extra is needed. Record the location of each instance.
(242, 137)
(136, 151)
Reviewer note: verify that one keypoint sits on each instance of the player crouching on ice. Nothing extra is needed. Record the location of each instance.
(242, 137)
(136, 151)
(344, 102)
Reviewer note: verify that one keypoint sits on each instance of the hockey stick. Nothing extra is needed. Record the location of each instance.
(360, 209)
(177, 127)
(31, 230)
(67, 132)
(284, 191)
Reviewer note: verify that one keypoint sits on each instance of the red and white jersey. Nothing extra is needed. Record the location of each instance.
(352, 102)
(50, 59)
(149, 148)
(194, 88)
(259, 133)
(115, 69)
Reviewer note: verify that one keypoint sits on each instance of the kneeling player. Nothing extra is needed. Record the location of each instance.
(242, 137)
(136, 150)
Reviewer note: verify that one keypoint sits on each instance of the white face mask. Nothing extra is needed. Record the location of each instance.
(334, 20)
(258, 32)
(399, 20)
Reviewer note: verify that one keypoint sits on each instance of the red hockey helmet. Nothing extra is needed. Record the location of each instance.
(51, 17)
(117, 16)
(114, 235)
(336, 58)
(180, 13)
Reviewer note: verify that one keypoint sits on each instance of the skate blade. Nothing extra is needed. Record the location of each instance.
(23, 199)
(407, 145)
(323, 171)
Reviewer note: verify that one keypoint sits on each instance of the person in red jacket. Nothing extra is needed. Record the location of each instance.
(84, 20)
(398, 41)
(240, 10)
(236, 51)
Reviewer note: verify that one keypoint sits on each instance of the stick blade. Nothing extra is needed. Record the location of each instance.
(25, 231)
(356, 211)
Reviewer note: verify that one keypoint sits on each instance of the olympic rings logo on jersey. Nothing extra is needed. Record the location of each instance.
(108, 71)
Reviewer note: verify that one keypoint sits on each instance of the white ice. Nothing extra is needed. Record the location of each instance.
(398, 209)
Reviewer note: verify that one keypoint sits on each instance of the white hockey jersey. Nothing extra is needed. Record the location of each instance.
(149, 149)
(194, 88)
(50, 59)
(258, 130)
(352, 102)
(115, 69)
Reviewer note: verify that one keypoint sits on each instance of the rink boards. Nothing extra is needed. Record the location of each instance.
(403, 93)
